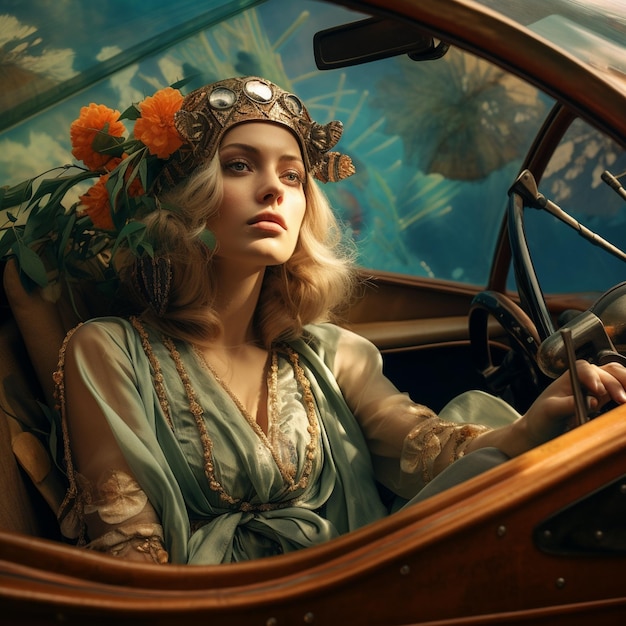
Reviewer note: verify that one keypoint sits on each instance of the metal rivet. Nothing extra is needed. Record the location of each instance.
(272, 621)
(501, 531)
(622, 489)
(547, 534)
(405, 570)
(599, 535)
(560, 583)
(309, 618)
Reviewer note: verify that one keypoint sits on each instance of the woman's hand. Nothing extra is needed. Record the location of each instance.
(552, 413)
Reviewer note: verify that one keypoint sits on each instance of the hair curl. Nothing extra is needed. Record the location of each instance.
(312, 286)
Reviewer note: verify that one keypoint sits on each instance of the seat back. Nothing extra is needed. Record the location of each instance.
(32, 330)
(24, 461)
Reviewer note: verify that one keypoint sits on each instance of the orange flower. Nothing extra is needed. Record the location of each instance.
(97, 204)
(135, 188)
(83, 131)
(155, 128)
(113, 162)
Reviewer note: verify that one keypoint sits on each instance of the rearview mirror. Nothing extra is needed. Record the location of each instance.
(370, 40)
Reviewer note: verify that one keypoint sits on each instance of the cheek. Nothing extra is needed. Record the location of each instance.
(300, 208)
(301, 216)
(229, 199)
(299, 220)
(229, 211)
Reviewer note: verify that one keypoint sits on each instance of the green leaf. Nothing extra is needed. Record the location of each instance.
(133, 233)
(7, 240)
(143, 174)
(146, 247)
(183, 81)
(131, 113)
(107, 144)
(65, 236)
(16, 195)
(31, 264)
(41, 220)
(129, 178)
(138, 243)
(115, 188)
(60, 184)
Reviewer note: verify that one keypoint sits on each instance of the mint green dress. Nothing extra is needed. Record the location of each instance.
(222, 490)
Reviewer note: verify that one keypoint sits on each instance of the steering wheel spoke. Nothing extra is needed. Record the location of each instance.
(517, 376)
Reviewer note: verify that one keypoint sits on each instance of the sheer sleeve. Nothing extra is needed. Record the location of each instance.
(408, 442)
(105, 508)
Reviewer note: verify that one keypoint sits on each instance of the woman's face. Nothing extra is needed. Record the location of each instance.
(263, 201)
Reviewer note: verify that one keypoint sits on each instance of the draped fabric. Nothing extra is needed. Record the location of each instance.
(169, 464)
(221, 489)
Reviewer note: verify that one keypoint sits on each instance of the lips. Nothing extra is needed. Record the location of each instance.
(268, 216)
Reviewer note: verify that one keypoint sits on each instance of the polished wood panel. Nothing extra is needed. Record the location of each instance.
(465, 556)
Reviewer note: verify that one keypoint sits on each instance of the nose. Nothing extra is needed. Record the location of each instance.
(271, 189)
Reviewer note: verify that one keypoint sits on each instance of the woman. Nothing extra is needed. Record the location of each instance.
(230, 420)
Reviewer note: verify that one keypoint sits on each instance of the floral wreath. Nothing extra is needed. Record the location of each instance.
(49, 240)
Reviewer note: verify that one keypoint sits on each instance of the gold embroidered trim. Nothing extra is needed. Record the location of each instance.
(71, 517)
(115, 498)
(309, 403)
(207, 443)
(426, 441)
(198, 414)
(157, 374)
(142, 538)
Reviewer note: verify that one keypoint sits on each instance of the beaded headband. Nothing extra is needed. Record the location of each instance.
(207, 113)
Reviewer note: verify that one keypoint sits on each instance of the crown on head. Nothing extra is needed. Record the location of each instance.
(208, 112)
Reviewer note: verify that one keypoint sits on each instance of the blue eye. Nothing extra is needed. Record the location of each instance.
(236, 166)
(294, 177)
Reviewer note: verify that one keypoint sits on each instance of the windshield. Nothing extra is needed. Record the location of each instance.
(594, 31)
(436, 143)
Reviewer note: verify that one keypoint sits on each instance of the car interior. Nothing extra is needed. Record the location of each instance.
(439, 337)
(464, 277)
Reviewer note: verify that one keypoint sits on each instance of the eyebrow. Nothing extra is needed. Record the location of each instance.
(256, 151)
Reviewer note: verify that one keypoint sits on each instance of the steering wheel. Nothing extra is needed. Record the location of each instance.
(517, 375)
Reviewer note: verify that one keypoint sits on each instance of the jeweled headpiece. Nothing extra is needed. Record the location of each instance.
(208, 112)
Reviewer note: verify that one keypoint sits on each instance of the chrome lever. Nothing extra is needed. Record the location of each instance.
(579, 399)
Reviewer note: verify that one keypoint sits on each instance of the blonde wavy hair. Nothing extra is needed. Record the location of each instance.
(314, 285)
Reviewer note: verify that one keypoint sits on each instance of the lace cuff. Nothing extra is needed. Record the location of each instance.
(119, 517)
(133, 542)
(426, 441)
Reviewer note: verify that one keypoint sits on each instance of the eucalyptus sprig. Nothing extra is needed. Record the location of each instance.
(55, 236)
(38, 225)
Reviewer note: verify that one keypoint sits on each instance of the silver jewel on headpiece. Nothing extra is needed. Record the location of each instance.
(222, 99)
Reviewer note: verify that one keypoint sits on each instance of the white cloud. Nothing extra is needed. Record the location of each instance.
(32, 55)
(171, 69)
(19, 162)
(108, 52)
(121, 83)
(11, 29)
(55, 64)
